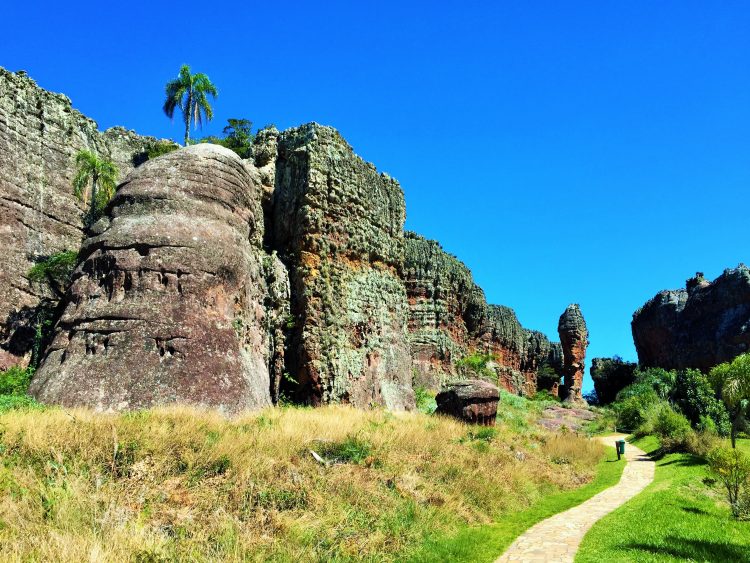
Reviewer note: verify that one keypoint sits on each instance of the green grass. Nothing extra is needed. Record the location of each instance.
(486, 543)
(677, 518)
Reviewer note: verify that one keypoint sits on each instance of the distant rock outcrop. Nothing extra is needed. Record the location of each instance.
(40, 133)
(610, 376)
(473, 401)
(574, 337)
(338, 225)
(167, 303)
(698, 327)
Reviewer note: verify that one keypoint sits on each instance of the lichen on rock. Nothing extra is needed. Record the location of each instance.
(338, 226)
(40, 134)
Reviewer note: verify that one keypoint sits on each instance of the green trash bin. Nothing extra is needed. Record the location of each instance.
(620, 445)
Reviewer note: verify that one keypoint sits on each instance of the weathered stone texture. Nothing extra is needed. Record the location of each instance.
(574, 340)
(473, 401)
(446, 309)
(40, 133)
(338, 226)
(450, 318)
(698, 327)
(168, 301)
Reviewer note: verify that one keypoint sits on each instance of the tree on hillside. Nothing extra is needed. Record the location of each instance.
(189, 92)
(95, 181)
(732, 381)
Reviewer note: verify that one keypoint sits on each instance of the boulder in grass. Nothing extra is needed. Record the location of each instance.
(473, 401)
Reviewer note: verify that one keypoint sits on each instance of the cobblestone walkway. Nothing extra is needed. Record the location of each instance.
(557, 538)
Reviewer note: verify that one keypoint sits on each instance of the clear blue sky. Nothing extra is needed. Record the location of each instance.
(590, 152)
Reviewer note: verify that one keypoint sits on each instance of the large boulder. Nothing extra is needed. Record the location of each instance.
(338, 226)
(697, 327)
(574, 338)
(167, 302)
(473, 401)
(40, 134)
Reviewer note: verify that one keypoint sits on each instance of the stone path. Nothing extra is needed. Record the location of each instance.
(557, 538)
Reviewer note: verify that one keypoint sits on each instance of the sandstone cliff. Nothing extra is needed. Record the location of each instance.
(450, 318)
(698, 327)
(211, 278)
(40, 133)
(338, 226)
(166, 304)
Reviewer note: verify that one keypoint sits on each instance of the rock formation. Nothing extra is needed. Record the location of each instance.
(446, 309)
(40, 133)
(574, 340)
(338, 226)
(210, 278)
(610, 376)
(474, 401)
(167, 302)
(450, 318)
(697, 327)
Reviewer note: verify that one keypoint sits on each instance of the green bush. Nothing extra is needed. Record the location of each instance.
(425, 400)
(631, 412)
(477, 364)
(158, 148)
(545, 396)
(15, 402)
(695, 397)
(54, 270)
(732, 467)
(15, 380)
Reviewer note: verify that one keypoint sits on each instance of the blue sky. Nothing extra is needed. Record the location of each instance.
(590, 152)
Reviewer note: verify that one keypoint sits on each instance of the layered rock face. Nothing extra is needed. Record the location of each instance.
(450, 318)
(167, 302)
(40, 133)
(338, 226)
(698, 327)
(574, 340)
(446, 309)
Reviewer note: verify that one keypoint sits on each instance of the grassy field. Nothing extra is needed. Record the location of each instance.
(486, 543)
(185, 485)
(677, 518)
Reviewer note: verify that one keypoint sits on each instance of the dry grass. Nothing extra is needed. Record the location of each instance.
(186, 485)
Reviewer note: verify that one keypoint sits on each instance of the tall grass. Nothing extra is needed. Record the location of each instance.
(181, 484)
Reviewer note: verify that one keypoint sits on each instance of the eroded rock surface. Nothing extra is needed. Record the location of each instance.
(698, 327)
(473, 401)
(446, 309)
(167, 302)
(450, 318)
(40, 133)
(574, 338)
(338, 226)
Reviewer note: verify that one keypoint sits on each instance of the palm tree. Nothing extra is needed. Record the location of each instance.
(101, 173)
(189, 92)
(732, 381)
